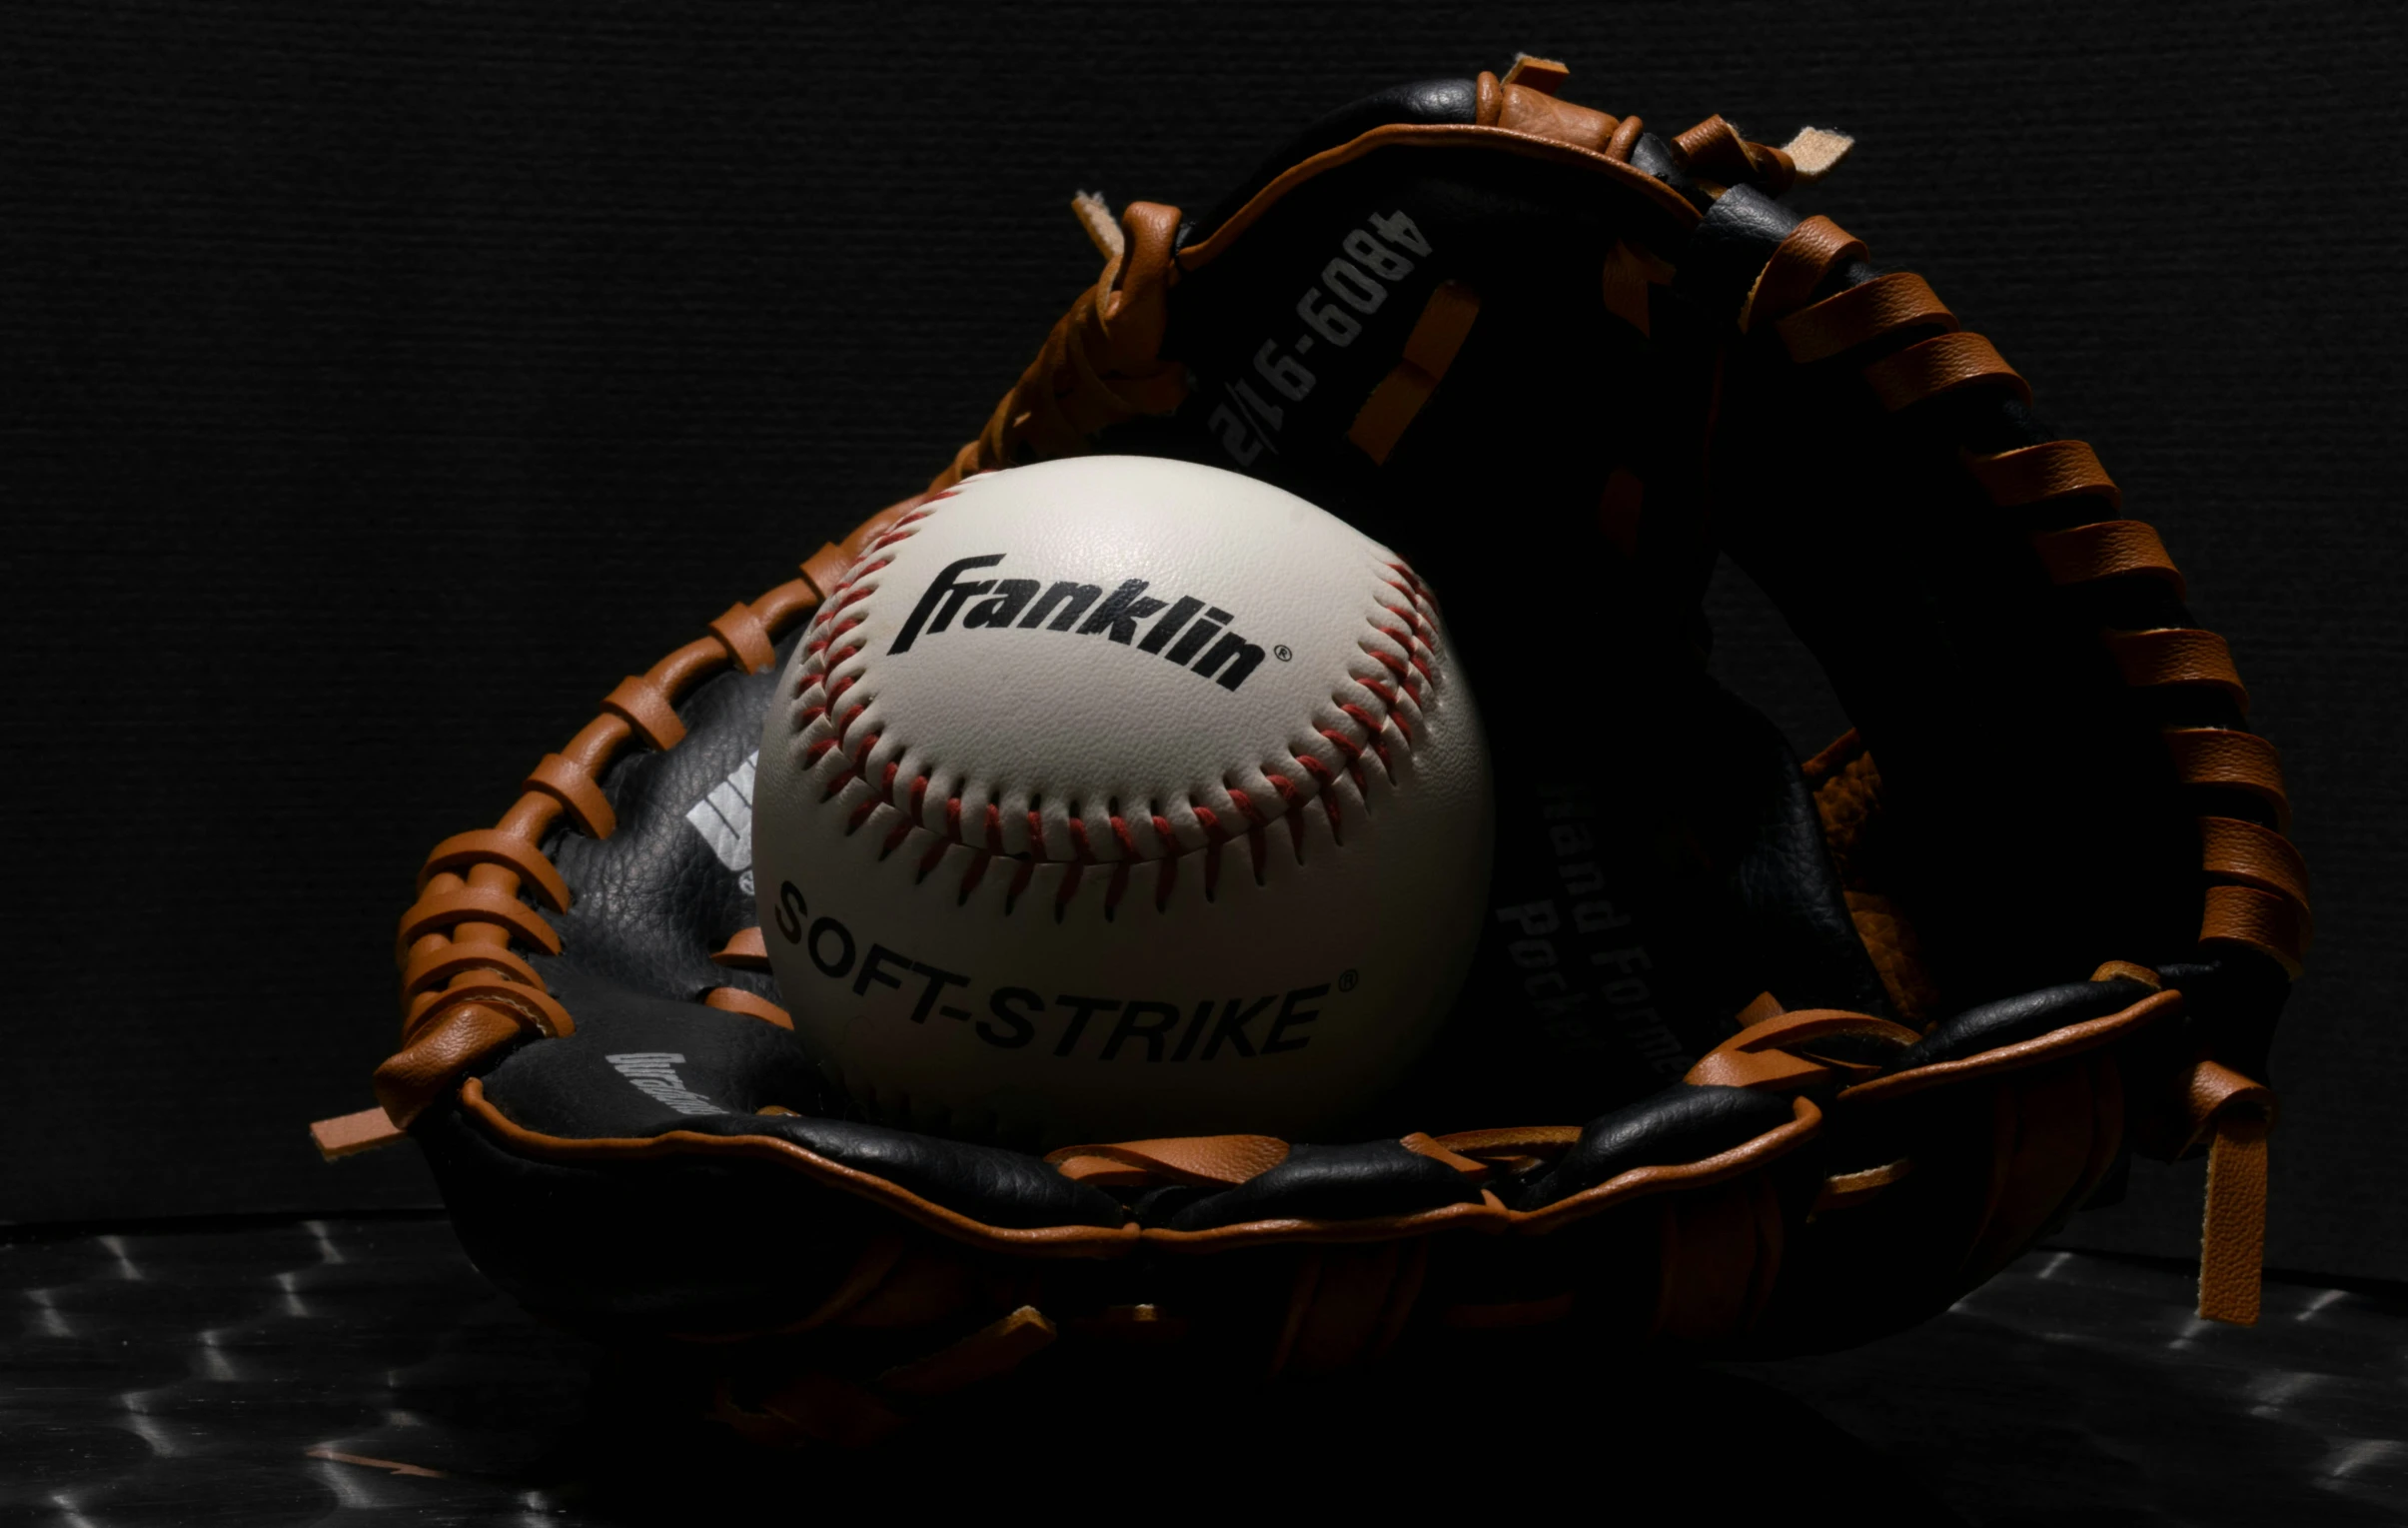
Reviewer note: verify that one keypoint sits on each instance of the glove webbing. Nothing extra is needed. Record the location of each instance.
(1909, 349)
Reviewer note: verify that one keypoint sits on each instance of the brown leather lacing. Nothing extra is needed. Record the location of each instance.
(464, 992)
(2257, 884)
(2256, 892)
(1101, 365)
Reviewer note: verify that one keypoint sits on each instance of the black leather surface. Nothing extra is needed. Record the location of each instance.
(654, 900)
(1739, 233)
(1659, 862)
(726, 1066)
(1378, 1177)
(1431, 101)
(2025, 1017)
(1681, 1124)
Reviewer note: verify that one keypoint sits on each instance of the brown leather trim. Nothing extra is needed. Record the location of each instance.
(443, 908)
(1875, 310)
(1945, 363)
(568, 782)
(1096, 1241)
(1052, 1240)
(2074, 1039)
(734, 1000)
(2254, 855)
(464, 992)
(2229, 761)
(491, 846)
(1806, 1122)
(2274, 925)
(2177, 656)
(2037, 474)
(1801, 261)
(1487, 1214)
(2110, 548)
(1521, 1140)
(641, 703)
(1659, 198)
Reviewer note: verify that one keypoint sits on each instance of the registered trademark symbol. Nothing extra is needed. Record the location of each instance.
(1347, 980)
(1281, 653)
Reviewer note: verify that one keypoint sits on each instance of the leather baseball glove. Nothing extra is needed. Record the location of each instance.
(1755, 1057)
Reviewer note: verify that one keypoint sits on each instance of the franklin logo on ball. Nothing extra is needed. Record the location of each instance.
(1027, 888)
(1186, 623)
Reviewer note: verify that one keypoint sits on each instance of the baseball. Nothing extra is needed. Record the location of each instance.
(1113, 798)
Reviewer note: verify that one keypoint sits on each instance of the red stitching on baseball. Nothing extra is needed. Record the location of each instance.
(1413, 675)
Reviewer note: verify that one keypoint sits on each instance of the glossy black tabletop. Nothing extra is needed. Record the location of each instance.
(359, 1371)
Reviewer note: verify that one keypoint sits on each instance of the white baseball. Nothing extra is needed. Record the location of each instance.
(1117, 796)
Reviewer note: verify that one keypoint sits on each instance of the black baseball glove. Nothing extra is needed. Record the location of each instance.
(1756, 1056)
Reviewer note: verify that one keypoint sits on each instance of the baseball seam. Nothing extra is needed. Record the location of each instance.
(1401, 681)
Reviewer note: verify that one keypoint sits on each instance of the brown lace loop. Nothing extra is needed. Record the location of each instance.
(2109, 548)
(2253, 855)
(1883, 307)
(2177, 656)
(1625, 139)
(433, 962)
(745, 637)
(641, 703)
(2045, 473)
(1102, 363)
(1945, 364)
(443, 907)
(1801, 261)
(1539, 115)
(491, 846)
(465, 992)
(2229, 761)
(1714, 150)
(2272, 925)
(570, 784)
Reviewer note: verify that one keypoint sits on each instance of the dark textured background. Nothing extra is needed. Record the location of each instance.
(384, 382)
